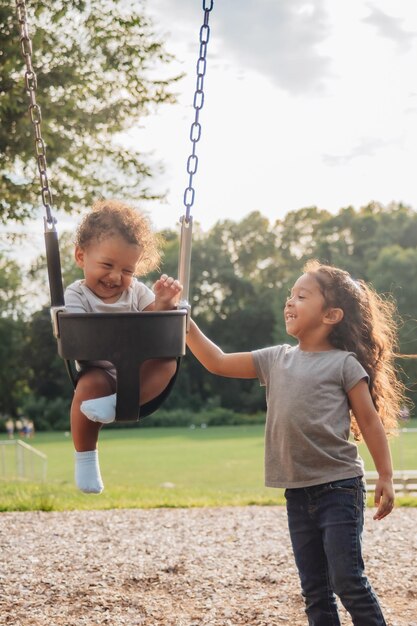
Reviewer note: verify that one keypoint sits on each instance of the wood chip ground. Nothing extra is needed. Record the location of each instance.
(180, 567)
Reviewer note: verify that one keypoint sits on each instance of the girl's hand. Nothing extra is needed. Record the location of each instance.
(384, 498)
(167, 291)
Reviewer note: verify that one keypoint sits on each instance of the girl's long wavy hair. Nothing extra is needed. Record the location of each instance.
(368, 329)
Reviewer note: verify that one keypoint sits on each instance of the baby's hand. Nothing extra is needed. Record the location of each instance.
(167, 291)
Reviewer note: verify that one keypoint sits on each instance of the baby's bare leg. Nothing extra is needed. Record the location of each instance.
(93, 384)
(155, 375)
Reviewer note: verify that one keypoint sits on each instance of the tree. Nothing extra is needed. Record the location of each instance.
(96, 64)
(12, 332)
(232, 300)
(13, 379)
(70, 271)
(240, 276)
(349, 239)
(11, 289)
(47, 376)
(393, 272)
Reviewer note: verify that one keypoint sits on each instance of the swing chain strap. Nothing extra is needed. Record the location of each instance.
(31, 83)
(195, 131)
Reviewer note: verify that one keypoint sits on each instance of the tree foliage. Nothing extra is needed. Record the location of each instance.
(242, 271)
(240, 276)
(11, 288)
(99, 67)
(13, 377)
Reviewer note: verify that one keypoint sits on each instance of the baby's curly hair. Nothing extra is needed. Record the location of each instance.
(114, 217)
(368, 329)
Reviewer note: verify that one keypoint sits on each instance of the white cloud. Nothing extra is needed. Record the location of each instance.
(278, 39)
(367, 147)
(391, 28)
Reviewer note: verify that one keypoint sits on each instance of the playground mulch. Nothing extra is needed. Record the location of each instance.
(180, 567)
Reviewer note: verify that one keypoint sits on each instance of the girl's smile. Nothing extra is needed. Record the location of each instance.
(305, 314)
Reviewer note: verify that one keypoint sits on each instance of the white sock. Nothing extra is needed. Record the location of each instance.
(101, 410)
(87, 472)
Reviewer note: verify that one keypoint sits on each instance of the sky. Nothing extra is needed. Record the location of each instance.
(307, 103)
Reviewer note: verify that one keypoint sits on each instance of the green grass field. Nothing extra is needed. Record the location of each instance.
(166, 467)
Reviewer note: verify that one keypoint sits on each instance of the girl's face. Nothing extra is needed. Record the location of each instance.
(109, 266)
(305, 308)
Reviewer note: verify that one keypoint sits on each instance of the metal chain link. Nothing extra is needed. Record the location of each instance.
(34, 109)
(195, 131)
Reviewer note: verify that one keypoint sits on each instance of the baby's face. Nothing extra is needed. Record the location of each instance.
(109, 266)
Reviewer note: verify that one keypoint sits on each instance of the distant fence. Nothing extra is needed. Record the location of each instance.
(19, 460)
(405, 479)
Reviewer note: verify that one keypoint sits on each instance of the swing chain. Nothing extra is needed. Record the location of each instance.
(31, 84)
(195, 131)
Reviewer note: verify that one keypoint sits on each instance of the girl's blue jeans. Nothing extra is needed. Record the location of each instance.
(326, 524)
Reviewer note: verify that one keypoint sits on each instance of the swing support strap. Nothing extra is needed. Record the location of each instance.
(53, 262)
(184, 264)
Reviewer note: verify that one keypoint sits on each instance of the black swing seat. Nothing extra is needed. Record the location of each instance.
(126, 340)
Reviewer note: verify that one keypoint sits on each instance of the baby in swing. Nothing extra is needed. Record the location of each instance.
(114, 243)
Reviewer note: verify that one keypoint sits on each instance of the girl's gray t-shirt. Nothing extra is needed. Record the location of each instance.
(308, 420)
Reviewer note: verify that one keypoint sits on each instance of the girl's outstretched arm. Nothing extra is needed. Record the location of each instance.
(233, 365)
(376, 440)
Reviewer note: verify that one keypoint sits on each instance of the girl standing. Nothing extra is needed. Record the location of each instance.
(340, 377)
